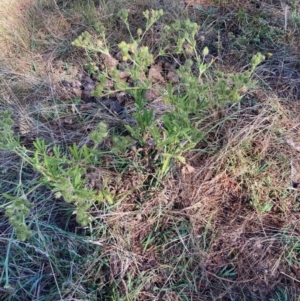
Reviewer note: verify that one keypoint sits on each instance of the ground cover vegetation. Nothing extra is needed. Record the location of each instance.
(149, 150)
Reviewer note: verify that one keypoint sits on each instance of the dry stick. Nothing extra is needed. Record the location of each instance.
(285, 10)
(290, 277)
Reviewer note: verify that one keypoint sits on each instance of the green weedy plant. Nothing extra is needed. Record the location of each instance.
(16, 211)
(63, 172)
(134, 53)
(18, 206)
(195, 94)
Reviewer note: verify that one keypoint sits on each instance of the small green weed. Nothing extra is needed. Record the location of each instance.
(64, 173)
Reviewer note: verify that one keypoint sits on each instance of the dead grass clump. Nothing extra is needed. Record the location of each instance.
(14, 36)
(253, 170)
(281, 72)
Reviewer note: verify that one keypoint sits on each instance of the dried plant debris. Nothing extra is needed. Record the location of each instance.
(109, 61)
(71, 89)
(281, 72)
(155, 73)
(87, 85)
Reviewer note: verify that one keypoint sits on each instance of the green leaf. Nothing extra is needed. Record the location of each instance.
(181, 159)
(74, 151)
(166, 164)
(108, 196)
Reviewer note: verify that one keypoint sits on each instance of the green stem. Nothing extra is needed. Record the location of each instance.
(7, 285)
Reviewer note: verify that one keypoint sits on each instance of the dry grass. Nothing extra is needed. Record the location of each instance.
(229, 230)
(212, 224)
(14, 33)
